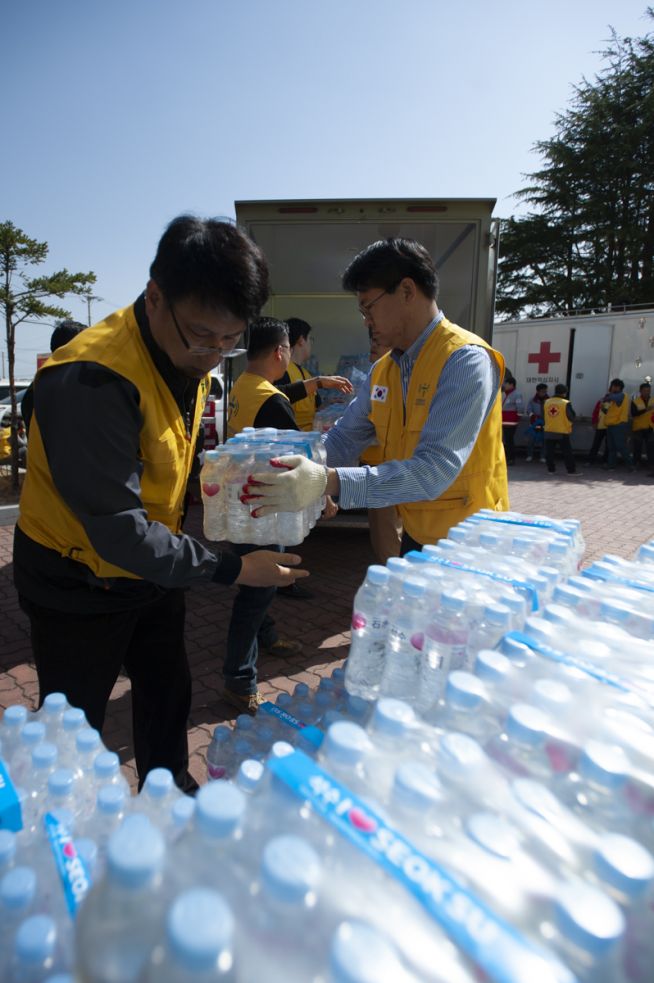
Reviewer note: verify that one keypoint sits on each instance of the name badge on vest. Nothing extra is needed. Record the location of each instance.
(379, 394)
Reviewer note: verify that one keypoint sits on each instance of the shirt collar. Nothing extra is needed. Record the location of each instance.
(412, 352)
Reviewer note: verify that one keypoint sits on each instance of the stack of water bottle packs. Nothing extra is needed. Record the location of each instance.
(471, 798)
(226, 470)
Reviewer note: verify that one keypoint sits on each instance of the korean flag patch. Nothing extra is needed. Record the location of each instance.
(379, 394)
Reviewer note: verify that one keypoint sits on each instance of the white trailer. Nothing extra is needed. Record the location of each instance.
(310, 243)
(582, 351)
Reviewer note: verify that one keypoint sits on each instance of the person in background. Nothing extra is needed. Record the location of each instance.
(536, 429)
(64, 332)
(512, 407)
(559, 417)
(598, 421)
(101, 564)
(384, 524)
(615, 409)
(432, 403)
(642, 425)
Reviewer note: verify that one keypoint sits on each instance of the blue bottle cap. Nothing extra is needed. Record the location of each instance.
(87, 740)
(494, 834)
(18, 889)
(182, 810)
(463, 691)
(347, 743)
(111, 799)
(549, 574)
(284, 700)
(377, 575)
(497, 614)
(15, 716)
(569, 596)
(158, 783)
(35, 940)
(551, 695)
(250, 774)
(44, 755)
(61, 783)
(604, 765)
(221, 734)
(588, 917)
(398, 565)
(219, 809)
(54, 704)
(244, 722)
(416, 787)
(106, 765)
(361, 954)
(32, 733)
(199, 927)
(413, 588)
(393, 717)
(280, 749)
(624, 864)
(527, 725)
(290, 869)
(301, 691)
(458, 754)
(491, 666)
(73, 719)
(135, 852)
(453, 600)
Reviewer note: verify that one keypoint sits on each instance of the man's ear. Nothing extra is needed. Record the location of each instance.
(153, 295)
(407, 289)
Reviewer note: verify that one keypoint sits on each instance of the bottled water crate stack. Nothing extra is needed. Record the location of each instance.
(226, 470)
(495, 822)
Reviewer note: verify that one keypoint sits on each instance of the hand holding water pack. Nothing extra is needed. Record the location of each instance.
(299, 483)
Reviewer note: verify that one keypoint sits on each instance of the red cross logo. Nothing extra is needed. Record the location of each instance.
(544, 356)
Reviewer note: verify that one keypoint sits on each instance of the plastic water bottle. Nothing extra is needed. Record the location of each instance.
(239, 520)
(496, 622)
(285, 923)
(586, 929)
(20, 764)
(418, 805)
(207, 852)
(596, 789)
(199, 941)
(52, 713)
(445, 645)
(44, 762)
(18, 892)
(361, 954)
(265, 528)
(156, 798)
(112, 805)
(521, 748)
(250, 774)
(217, 752)
(7, 850)
(466, 707)
(213, 495)
(344, 754)
(402, 673)
(72, 722)
(12, 723)
(365, 663)
(37, 952)
(122, 916)
(394, 731)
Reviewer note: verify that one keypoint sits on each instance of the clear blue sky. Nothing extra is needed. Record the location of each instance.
(119, 115)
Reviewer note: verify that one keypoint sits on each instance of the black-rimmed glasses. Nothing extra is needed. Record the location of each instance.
(199, 349)
(364, 309)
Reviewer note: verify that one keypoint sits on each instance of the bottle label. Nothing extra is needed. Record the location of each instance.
(10, 812)
(494, 945)
(216, 771)
(533, 523)
(75, 879)
(520, 585)
(358, 621)
(585, 665)
(310, 733)
(596, 574)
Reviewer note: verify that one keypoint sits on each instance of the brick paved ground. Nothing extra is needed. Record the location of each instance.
(617, 515)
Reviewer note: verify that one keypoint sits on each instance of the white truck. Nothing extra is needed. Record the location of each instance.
(582, 351)
(310, 243)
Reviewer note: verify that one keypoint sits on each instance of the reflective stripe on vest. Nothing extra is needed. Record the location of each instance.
(304, 409)
(555, 415)
(644, 421)
(248, 395)
(482, 482)
(165, 450)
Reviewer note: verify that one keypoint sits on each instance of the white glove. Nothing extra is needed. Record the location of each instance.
(299, 483)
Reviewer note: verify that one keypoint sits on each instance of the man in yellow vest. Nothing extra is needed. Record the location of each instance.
(432, 403)
(558, 416)
(100, 561)
(642, 425)
(615, 410)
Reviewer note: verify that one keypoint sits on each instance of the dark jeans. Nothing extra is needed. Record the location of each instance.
(599, 438)
(508, 439)
(643, 440)
(563, 441)
(616, 439)
(249, 625)
(81, 655)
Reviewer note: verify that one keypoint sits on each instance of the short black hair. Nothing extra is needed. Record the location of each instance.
(560, 389)
(215, 263)
(297, 328)
(541, 385)
(616, 382)
(645, 384)
(265, 334)
(64, 332)
(385, 263)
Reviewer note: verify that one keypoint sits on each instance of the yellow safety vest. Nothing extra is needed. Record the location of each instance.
(248, 395)
(165, 450)
(304, 409)
(555, 415)
(617, 414)
(644, 421)
(5, 442)
(482, 482)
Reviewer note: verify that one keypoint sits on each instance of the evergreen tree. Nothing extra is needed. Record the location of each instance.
(588, 240)
(22, 297)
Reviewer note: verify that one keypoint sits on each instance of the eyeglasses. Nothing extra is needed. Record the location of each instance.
(199, 349)
(364, 309)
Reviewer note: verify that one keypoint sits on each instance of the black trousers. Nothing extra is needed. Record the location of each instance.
(508, 439)
(563, 441)
(81, 655)
(599, 438)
